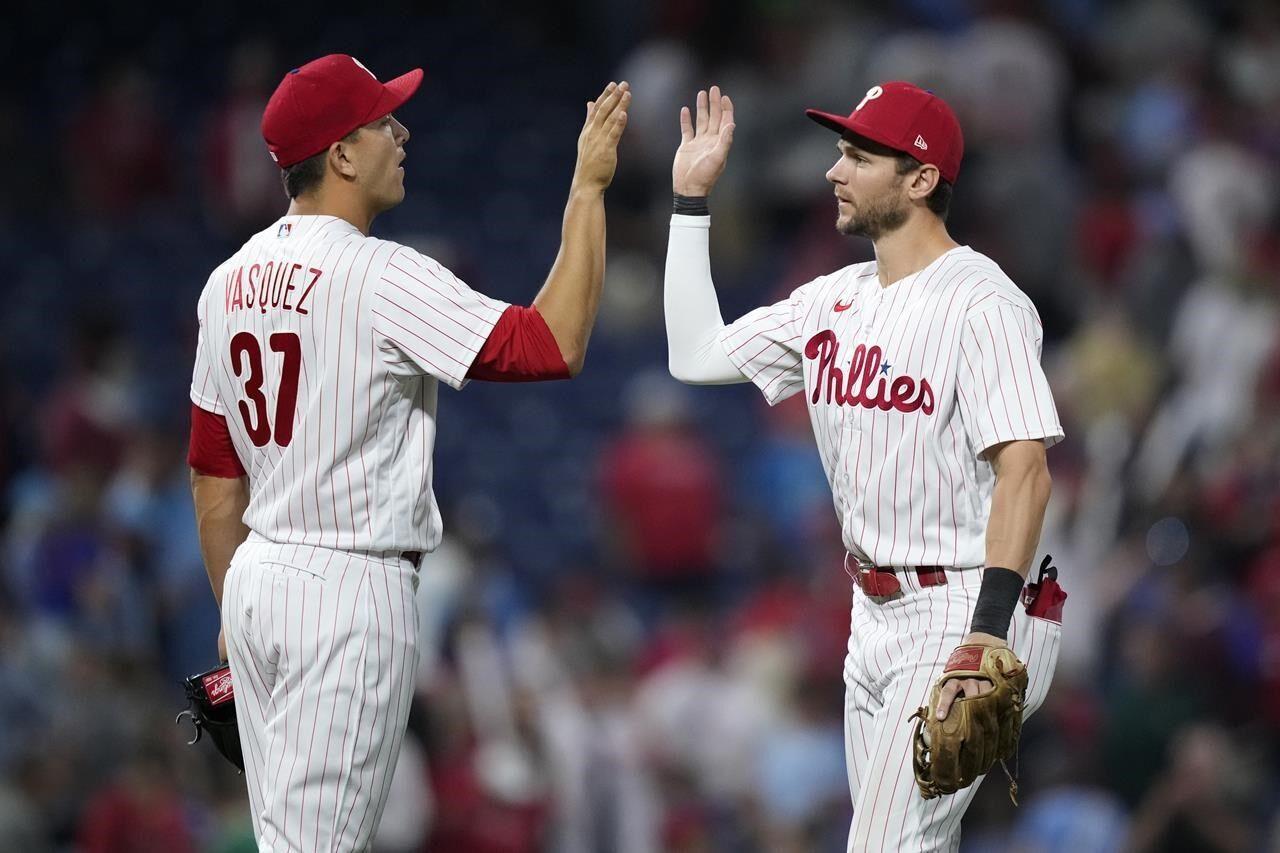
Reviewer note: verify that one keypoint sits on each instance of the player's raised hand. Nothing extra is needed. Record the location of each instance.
(598, 142)
(705, 140)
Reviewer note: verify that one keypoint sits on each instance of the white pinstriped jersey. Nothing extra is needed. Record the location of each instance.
(906, 387)
(323, 349)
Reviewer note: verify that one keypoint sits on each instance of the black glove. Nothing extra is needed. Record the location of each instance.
(211, 707)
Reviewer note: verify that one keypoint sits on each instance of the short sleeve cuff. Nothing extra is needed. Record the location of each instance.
(776, 386)
(1050, 438)
(206, 403)
(479, 333)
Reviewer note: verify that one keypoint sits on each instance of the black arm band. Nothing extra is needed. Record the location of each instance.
(997, 597)
(690, 205)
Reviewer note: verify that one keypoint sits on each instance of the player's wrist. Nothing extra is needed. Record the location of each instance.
(997, 597)
(691, 190)
(978, 638)
(586, 189)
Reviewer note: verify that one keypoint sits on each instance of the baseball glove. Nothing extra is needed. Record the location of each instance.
(951, 754)
(212, 708)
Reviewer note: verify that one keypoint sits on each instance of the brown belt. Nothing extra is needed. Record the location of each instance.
(414, 557)
(880, 580)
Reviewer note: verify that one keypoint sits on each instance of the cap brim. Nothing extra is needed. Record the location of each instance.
(845, 124)
(830, 121)
(396, 92)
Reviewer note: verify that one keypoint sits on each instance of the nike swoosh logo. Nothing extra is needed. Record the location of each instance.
(843, 306)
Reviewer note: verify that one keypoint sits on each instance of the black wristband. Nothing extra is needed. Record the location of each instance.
(998, 596)
(690, 205)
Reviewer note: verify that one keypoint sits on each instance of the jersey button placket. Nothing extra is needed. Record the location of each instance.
(862, 332)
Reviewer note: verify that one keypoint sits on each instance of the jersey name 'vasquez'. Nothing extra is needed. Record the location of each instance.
(270, 286)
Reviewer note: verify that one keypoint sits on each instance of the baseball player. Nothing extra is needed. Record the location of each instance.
(321, 350)
(921, 374)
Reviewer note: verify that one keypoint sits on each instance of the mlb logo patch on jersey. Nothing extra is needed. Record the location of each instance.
(284, 229)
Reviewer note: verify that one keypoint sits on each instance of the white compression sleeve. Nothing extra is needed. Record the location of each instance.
(694, 353)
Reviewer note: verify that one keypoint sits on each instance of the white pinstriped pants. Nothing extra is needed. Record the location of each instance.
(323, 650)
(897, 648)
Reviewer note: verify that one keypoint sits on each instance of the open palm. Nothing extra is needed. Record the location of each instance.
(705, 140)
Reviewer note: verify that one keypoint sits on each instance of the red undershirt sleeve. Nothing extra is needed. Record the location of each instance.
(211, 451)
(520, 348)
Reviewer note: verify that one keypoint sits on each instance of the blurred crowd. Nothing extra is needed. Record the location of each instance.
(632, 637)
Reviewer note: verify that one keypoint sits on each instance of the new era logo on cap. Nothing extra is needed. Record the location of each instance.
(903, 116)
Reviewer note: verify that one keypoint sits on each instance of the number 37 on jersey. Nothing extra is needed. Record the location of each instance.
(247, 356)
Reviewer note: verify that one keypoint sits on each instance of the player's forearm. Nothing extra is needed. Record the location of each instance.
(571, 295)
(694, 353)
(1018, 504)
(220, 503)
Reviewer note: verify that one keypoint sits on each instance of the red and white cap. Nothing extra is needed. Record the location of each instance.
(316, 105)
(906, 118)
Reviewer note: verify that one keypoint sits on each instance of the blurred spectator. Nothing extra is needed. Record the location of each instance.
(149, 505)
(241, 183)
(784, 484)
(1069, 820)
(700, 718)
(575, 668)
(91, 408)
(406, 820)
(140, 812)
(22, 827)
(491, 778)
(76, 577)
(662, 484)
(801, 774)
(1225, 326)
(1202, 804)
(1147, 705)
(1109, 371)
(119, 152)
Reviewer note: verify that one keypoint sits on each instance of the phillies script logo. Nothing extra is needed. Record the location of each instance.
(900, 392)
(217, 686)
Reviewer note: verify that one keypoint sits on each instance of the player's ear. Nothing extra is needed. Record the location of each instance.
(340, 161)
(926, 178)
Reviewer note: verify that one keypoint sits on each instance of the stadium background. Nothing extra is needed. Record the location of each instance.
(634, 631)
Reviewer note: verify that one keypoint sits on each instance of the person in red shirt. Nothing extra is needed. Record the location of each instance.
(662, 487)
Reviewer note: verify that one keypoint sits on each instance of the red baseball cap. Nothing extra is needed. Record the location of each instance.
(905, 118)
(316, 105)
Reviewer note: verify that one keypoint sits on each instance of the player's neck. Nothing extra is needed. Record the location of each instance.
(331, 204)
(911, 248)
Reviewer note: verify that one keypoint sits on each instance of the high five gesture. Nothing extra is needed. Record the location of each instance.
(705, 140)
(598, 142)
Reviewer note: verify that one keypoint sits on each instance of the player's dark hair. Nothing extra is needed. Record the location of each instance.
(938, 201)
(303, 177)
